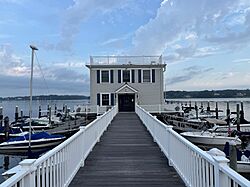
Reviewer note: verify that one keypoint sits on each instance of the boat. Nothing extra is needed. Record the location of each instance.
(12, 132)
(31, 142)
(41, 141)
(243, 159)
(210, 139)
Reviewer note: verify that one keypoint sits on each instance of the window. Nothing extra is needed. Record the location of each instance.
(146, 76)
(139, 75)
(133, 76)
(153, 75)
(119, 76)
(98, 76)
(105, 99)
(126, 76)
(105, 76)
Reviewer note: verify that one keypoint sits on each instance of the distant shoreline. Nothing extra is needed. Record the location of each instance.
(205, 94)
(232, 93)
(45, 97)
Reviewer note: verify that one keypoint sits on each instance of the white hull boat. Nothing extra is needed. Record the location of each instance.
(210, 139)
(39, 142)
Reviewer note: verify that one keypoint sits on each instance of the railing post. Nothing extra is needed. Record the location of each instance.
(29, 180)
(82, 128)
(168, 129)
(220, 178)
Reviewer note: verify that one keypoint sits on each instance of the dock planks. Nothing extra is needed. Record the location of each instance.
(126, 156)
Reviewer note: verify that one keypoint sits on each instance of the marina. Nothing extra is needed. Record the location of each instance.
(120, 141)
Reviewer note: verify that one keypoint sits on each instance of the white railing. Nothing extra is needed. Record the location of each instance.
(156, 108)
(88, 109)
(59, 166)
(195, 166)
(104, 60)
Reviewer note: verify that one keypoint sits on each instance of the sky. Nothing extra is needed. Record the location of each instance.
(205, 43)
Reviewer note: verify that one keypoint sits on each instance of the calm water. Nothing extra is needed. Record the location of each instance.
(222, 104)
(7, 162)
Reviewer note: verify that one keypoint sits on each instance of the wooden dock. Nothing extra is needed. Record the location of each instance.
(126, 156)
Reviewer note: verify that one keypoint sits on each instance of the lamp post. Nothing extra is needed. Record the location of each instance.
(33, 48)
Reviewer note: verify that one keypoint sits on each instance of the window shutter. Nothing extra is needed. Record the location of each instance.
(112, 76)
(98, 76)
(98, 99)
(139, 75)
(133, 76)
(153, 75)
(119, 76)
(112, 99)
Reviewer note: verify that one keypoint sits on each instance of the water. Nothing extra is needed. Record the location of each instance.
(222, 104)
(8, 162)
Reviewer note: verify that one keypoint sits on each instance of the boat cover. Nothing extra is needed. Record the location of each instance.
(36, 136)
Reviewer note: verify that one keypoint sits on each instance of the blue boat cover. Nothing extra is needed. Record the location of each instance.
(36, 136)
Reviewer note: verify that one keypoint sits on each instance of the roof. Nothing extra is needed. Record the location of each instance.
(126, 89)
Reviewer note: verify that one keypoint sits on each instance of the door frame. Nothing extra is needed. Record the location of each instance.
(134, 98)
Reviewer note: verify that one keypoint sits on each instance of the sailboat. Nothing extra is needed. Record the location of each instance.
(32, 142)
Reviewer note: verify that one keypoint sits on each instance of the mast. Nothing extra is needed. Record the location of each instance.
(33, 48)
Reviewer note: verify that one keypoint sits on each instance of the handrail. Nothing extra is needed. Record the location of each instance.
(58, 166)
(195, 166)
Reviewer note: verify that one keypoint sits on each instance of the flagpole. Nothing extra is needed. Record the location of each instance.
(33, 48)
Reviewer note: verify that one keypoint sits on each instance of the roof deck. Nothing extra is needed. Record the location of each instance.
(126, 156)
(125, 60)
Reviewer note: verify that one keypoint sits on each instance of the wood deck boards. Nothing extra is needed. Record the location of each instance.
(126, 156)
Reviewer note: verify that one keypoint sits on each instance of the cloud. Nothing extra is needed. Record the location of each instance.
(244, 60)
(188, 74)
(60, 77)
(11, 64)
(14, 86)
(79, 12)
(199, 28)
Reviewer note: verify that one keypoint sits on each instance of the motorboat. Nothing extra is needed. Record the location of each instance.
(243, 159)
(12, 133)
(211, 139)
(39, 142)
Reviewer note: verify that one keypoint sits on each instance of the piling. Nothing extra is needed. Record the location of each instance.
(49, 115)
(21, 114)
(216, 111)
(63, 108)
(238, 116)
(16, 114)
(242, 117)
(201, 104)
(208, 106)
(55, 109)
(1, 116)
(6, 127)
(228, 117)
(233, 155)
(48, 110)
(39, 111)
(196, 110)
(66, 111)
(190, 104)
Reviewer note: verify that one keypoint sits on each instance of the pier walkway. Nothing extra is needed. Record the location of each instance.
(126, 156)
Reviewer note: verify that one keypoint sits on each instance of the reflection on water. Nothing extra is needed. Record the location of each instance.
(7, 162)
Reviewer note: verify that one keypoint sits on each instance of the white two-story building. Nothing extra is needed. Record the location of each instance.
(126, 80)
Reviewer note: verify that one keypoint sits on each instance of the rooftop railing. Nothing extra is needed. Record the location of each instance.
(59, 166)
(195, 166)
(114, 60)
